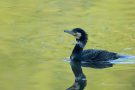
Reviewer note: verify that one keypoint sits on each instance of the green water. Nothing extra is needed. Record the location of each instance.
(33, 44)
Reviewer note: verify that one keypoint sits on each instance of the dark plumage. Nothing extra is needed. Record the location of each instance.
(91, 57)
(87, 58)
(98, 55)
(97, 58)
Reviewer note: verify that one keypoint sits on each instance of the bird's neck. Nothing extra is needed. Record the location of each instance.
(78, 48)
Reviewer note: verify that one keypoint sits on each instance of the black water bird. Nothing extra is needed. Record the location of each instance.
(87, 58)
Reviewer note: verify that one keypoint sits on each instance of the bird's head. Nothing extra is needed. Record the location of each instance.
(78, 33)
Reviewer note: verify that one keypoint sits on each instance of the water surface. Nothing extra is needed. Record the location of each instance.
(33, 44)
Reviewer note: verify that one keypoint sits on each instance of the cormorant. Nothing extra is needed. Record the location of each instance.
(87, 58)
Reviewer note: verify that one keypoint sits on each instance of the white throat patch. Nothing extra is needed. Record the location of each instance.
(78, 35)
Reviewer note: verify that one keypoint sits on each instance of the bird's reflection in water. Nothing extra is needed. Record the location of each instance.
(80, 84)
(97, 64)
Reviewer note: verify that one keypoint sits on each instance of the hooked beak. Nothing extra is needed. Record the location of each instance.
(69, 32)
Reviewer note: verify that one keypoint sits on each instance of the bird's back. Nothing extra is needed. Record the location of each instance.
(98, 55)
